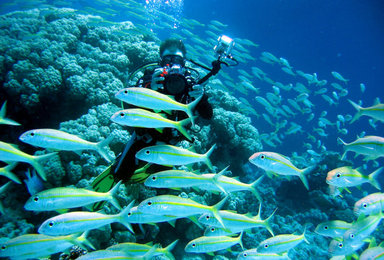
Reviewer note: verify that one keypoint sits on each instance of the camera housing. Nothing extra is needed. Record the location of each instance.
(224, 46)
(175, 82)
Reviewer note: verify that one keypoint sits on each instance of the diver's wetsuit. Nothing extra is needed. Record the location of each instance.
(126, 163)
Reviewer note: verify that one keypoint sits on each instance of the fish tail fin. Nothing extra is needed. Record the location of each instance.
(81, 239)
(169, 248)
(124, 215)
(240, 240)
(373, 178)
(266, 223)
(100, 147)
(112, 193)
(206, 157)
(151, 252)
(191, 106)
(340, 141)
(180, 126)
(10, 175)
(215, 211)
(6, 121)
(36, 163)
(358, 113)
(253, 186)
(303, 174)
(304, 179)
(3, 110)
(305, 231)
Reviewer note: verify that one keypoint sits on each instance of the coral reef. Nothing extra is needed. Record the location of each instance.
(60, 69)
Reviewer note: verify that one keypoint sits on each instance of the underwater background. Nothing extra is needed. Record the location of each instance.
(61, 63)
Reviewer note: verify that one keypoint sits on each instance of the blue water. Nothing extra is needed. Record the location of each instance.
(346, 36)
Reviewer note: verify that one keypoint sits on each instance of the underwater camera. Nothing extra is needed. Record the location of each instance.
(224, 46)
(174, 80)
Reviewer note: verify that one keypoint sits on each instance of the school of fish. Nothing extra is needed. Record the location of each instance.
(224, 228)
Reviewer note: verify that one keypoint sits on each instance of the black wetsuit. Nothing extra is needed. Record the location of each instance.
(126, 163)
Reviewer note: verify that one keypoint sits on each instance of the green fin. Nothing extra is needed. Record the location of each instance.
(103, 183)
(61, 211)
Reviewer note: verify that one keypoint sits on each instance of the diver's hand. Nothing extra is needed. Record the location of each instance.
(157, 79)
(197, 91)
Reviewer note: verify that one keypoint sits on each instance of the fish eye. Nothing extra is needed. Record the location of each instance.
(338, 175)
(50, 224)
(340, 245)
(121, 114)
(207, 217)
(32, 134)
(3, 247)
(245, 254)
(153, 178)
(352, 235)
(213, 229)
(36, 199)
(193, 245)
(262, 157)
(149, 203)
(129, 213)
(266, 246)
(147, 152)
(325, 227)
(365, 205)
(125, 91)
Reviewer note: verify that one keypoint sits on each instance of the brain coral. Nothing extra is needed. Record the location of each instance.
(51, 59)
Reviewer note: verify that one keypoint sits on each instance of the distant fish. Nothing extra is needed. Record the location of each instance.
(33, 182)
(346, 176)
(372, 147)
(9, 153)
(67, 197)
(173, 155)
(334, 228)
(80, 221)
(369, 205)
(376, 111)
(143, 118)
(6, 172)
(362, 87)
(59, 140)
(274, 163)
(212, 244)
(338, 76)
(3, 119)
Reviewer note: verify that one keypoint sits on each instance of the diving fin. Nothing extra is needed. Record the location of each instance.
(103, 183)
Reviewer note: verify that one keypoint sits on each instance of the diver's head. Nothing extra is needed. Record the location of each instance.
(172, 54)
(172, 51)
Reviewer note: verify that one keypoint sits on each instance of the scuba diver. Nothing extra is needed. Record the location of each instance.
(171, 77)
